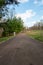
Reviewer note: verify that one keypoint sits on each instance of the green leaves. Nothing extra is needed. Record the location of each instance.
(5, 2)
(2, 2)
(11, 26)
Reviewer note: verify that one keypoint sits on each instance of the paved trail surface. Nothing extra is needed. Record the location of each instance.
(21, 50)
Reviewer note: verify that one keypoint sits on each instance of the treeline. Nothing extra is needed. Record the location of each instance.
(11, 26)
(37, 26)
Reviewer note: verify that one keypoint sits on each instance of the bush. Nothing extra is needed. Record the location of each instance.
(15, 25)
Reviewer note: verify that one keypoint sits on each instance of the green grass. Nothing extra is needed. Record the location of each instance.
(36, 34)
(2, 39)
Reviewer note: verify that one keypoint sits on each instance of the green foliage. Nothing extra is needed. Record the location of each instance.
(5, 2)
(18, 25)
(3, 39)
(15, 25)
(2, 2)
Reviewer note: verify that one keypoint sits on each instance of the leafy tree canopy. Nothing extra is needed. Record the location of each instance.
(15, 25)
(5, 2)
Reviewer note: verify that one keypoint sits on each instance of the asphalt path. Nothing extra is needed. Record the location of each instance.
(21, 50)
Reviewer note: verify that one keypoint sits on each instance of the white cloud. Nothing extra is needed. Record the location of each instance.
(25, 15)
(38, 2)
(42, 17)
(29, 24)
(28, 14)
(23, 1)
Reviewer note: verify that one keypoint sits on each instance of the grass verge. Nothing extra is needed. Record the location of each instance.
(3, 39)
(36, 34)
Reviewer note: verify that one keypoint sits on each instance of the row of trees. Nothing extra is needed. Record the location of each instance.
(11, 26)
(37, 26)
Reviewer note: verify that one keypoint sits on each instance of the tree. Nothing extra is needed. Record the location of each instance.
(3, 4)
(19, 25)
(11, 26)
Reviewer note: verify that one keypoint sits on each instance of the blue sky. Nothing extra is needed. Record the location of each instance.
(30, 11)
